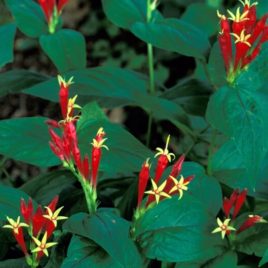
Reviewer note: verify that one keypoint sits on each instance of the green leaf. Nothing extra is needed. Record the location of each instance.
(7, 36)
(108, 86)
(29, 17)
(125, 12)
(83, 252)
(108, 231)
(253, 240)
(46, 186)
(173, 35)
(228, 259)
(240, 114)
(14, 263)
(192, 95)
(126, 153)
(216, 67)
(17, 80)
(66, 48)
(264, 259)
(26, 139)
(177, 231)
(202, 17)
(10, 202)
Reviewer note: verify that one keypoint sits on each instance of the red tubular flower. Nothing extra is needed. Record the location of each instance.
(252, 220)
(225, 41)
(16, 226)
(97, 144)
(38, 221)
(164, 158)
(52, 10)
(240, 200)
(64, 94)
(176, 169)
(61, 4)
(236, 201)
(249, 35)
(144, 176)
(27, 210)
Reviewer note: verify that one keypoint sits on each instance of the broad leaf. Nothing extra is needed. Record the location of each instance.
(29, 17)
(173, 35)
(7, 35)
(240, 114)
(16, 81)
(177, 231)
(192, 95)
(83, 252)
(108, 231)
(108, 86)
(264, 259)
(14, 263)
(46, 186)
(26, 139)
(66, 48)
(208, 22)
(125, 12)
(10, 202)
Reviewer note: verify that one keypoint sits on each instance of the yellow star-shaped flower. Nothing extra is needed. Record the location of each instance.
(165, 151)
(15, 225)
(54, 217)
(223, 227)
(238, 17)
(158, 191)
(43, 245)
(243, 38)
(179, 186)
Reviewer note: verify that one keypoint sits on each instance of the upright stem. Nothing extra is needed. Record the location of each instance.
(150, 54)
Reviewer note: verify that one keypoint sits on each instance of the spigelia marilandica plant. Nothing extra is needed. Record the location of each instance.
(169, 187)
(246, 32)
(39, 225)
(66, 147)
(231, 208)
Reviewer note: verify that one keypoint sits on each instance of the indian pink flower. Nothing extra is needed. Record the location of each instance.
(223, 227)
(98, 144)
(144, 176)
(158, 192)
(248, 34)
(250, 221)
(52, 10)
(16, 226)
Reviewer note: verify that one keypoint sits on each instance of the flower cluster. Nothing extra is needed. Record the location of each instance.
(248, 34)
(52, 10)
(40, 226)
(231, 208)
(66, 148)
(169, 187)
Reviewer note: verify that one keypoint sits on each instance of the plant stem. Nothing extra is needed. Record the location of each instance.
(150, 55)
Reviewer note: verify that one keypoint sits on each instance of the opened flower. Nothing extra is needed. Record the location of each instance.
(42, 245)
(179, 186)
(157, 192)
(54, 216)
(224, 227)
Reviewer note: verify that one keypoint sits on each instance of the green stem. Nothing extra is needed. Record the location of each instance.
(89, 191)
(150, 54)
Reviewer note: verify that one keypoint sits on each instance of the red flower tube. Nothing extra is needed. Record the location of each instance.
(144, 176)
(97, 144)
(252, 220)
